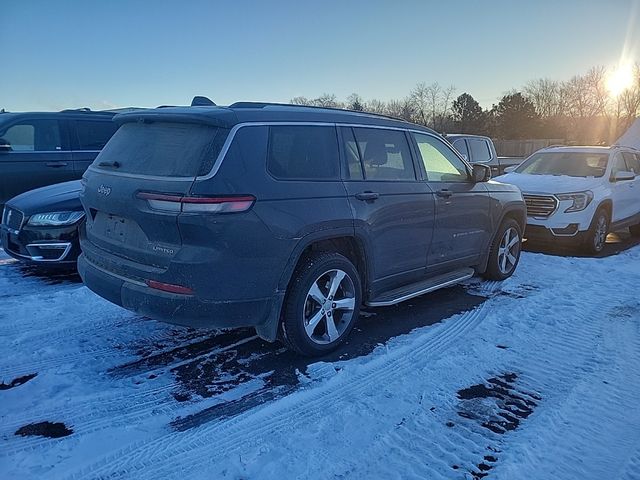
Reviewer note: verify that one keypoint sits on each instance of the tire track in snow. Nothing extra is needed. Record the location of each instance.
(114, 409)
(584, 416)
(218, 439)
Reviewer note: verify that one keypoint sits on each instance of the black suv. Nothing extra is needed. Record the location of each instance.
(286, 218)
(43, 148)
(40, 150)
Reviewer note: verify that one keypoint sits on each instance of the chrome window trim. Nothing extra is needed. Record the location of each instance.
(232, 133)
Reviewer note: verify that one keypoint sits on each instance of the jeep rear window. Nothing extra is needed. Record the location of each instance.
(163, 149)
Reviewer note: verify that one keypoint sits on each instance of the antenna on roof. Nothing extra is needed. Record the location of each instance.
(199, 101)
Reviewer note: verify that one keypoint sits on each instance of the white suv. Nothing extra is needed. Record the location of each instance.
(579, 194)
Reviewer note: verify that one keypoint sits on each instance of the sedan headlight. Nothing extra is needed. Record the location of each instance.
(55, 219)
(581, 200)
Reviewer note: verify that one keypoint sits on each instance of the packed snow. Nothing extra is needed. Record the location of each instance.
(538, 377)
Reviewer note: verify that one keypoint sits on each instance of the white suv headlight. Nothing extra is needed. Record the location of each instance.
(55, 219)
(581, 200)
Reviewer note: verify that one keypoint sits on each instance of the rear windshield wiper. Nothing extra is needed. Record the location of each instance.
(109, 164)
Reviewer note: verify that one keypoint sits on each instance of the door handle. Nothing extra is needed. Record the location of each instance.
(56, 164)
(367, 196)
(444, 193)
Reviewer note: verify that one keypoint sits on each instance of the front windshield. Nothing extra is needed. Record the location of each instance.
(573, 164)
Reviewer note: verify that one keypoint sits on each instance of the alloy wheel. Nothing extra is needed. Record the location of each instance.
(600, 234)
(508, 251)
(329, 307)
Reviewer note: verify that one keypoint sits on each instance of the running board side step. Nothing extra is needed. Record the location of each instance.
(416, 289)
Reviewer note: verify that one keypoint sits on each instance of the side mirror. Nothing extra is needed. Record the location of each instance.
(5, 146)
(510, 169)
(622, 176)
(481, 173)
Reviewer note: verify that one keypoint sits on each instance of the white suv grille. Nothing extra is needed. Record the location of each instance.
(540, 205)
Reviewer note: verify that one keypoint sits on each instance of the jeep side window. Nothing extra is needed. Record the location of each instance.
(354, 165)
(34, 136)
(93, 135)
(385, 154)
(301, 152)
(479, 150)
(440, 163)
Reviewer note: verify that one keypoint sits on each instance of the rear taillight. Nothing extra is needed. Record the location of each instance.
(169, 287)
(178, 203)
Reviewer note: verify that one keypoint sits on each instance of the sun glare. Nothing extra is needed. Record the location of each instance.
(620, 79)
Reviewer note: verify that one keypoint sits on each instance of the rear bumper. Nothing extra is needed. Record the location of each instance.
(187, 310)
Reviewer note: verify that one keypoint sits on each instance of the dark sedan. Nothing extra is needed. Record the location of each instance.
(41, 226)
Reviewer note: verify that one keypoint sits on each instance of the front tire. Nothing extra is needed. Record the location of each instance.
(504, 254)
(597, 234)
(322, 304)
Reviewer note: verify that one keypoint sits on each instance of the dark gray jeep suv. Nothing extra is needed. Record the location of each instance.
(286, 218)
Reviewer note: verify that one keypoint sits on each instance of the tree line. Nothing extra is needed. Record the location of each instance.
(579, 110)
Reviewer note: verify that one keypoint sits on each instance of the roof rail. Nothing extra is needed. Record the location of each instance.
(317, 107)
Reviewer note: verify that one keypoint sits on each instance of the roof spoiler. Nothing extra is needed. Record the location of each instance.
(199, 101)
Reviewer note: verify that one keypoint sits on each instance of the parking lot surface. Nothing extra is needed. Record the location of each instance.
(534, 377)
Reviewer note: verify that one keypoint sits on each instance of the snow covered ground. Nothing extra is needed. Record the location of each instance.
(537, 377)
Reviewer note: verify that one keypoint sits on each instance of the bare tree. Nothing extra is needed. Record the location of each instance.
(355, 102)
(301, 101)
(375, 106)
(403, 109)
(630, 98)
(545, 96)
(420, 99)
(327, 100)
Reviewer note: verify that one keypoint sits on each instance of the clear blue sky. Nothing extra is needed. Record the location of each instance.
(60, 54)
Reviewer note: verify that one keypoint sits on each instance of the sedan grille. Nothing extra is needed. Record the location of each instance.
(540, 205)
(12, 218)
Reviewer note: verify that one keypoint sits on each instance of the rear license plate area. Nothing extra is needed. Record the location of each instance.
(115, 228)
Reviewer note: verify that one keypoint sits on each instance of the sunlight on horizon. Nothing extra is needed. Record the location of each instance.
(620, 79)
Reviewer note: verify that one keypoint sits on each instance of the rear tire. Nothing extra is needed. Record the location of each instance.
(322, 304)
(504, 253)
(597, 234)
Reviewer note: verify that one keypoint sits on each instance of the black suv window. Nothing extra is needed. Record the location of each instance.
(34, 136)
(303, 152)
(440, 163)
(385, 154)
(93, 135)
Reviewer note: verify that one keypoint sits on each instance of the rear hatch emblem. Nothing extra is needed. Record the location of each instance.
(104, 190)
